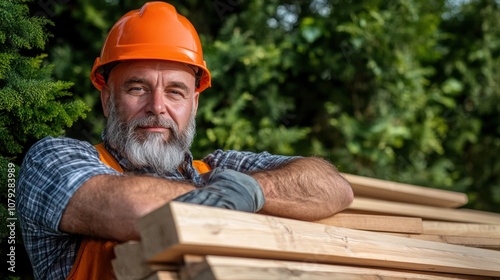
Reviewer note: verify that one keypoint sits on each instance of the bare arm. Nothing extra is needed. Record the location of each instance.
(108, 206)
(305, 188)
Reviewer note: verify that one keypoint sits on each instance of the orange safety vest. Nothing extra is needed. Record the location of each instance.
(93, 261)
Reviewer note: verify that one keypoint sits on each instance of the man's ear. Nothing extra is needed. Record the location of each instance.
(195, 101)
(105, 96)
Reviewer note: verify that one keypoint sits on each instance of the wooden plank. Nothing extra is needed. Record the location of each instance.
(195, 267)
(471, 241)
(179, 228)
(164, 275)
(375, 222)
(130, 263)
(375, 206)
(393, 191)
(493, 214)
(461, 229)
(233, 268)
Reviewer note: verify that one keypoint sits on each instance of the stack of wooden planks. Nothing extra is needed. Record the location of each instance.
(391, 231)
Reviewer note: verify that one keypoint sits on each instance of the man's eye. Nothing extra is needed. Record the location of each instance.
(136, 90)
(176, 93)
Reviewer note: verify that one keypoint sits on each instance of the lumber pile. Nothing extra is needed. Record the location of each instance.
(391, 231)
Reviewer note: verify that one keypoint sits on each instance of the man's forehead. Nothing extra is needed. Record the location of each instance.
(142, 68)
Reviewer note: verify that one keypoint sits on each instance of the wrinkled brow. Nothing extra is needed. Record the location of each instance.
(135, 80)
(180, 85)
(176, 84)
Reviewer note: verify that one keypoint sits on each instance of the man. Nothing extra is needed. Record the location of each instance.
(75, 201)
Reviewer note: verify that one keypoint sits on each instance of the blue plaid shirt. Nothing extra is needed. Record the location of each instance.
(54, 169)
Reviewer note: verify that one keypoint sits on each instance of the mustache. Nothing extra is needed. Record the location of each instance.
(156, 121)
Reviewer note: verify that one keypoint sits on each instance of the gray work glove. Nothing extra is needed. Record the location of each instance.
(226, 188)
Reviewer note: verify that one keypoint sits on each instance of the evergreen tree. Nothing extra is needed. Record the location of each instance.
(32, 105)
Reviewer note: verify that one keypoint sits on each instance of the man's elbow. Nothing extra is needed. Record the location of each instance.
(342, 197)
(348, 194)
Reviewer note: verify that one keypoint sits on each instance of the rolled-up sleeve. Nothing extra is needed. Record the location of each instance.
(52, 171)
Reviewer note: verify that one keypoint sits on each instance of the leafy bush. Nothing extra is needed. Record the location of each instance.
(32, 105)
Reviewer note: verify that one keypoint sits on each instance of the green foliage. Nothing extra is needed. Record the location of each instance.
(474, 138)
(390, 119)
(253, 93)
(399, 90)
(32, 104)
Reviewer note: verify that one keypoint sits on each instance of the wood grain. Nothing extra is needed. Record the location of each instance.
(394, 191)
(232, 268)
(461, 229)
(374, 206)
(375, 222)
(178, 228)
(471, 241)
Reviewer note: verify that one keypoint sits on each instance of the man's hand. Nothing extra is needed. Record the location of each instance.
(228, 189)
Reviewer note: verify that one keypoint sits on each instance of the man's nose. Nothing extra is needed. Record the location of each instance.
(157, 103)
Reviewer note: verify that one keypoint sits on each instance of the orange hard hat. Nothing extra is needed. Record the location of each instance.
(156, 31)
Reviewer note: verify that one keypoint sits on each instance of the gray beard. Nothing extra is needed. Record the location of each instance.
(149, 150)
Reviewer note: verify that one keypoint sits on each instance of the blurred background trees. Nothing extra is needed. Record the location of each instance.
(398, 90)
(406, 91)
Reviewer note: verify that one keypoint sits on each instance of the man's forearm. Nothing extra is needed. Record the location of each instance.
(108, 206)
(305, 189)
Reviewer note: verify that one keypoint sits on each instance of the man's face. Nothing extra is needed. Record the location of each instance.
(150, 107)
